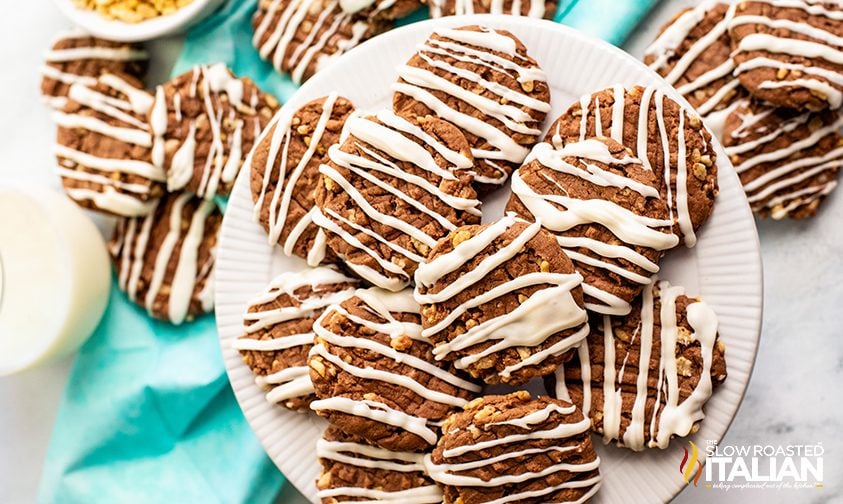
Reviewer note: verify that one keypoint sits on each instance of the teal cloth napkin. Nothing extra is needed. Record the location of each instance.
(148, 414)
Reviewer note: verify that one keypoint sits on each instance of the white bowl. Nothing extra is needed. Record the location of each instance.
(100, 26)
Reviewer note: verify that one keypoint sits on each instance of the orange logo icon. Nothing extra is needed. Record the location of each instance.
(689, 462)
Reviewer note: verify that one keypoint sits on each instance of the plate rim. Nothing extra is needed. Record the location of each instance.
(304, 94)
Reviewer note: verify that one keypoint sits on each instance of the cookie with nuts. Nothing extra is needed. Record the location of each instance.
(390, 191)
(645, 378)
(301, 37)
(165, 260)
(605, 210)
(78, 58)
(693, 52)
(790, 54)
(278, 331)
(204, 123)
(353, 469)
(484, 82)
(501, 301)
(103, 147)
(788, 161)
(375, 375)
(669, 140)
(513, 448)
(284, 174)
(532, 8)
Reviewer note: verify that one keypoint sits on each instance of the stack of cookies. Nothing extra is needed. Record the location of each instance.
(409, 306)
(767, 77)
(154, 160)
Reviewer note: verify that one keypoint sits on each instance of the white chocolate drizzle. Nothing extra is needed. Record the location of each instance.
(824, 48)
(515, 110)
(400, 141)
(357, 455)
(669, 416)
(181, 272)
(779, 188)
(652, 100)
(449, 473)
(225, 156)
(383, 305)
(466, 7)
(545, 313)
(124, 121)
(54, 58)
(327, 288)
(283, 20)
(560, 213)
(281, 197)
(668, 43)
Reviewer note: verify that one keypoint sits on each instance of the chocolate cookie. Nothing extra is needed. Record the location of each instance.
(484, 82)
(204, 123)
(284, 174)
(103, 147)
(76, 58)
(375, 375)
(605, 210)
(787, 160)
(304, 36)
(532, 8)
(165, 261)
(380, 9)
(501, 301)
(666, 358)
(390, 191)
(790, 54)
(688, 175)
(354, 470)
(693, 52)
(279, 331)
(514, 448)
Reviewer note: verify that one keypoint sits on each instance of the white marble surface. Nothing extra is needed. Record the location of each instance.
(793, 398)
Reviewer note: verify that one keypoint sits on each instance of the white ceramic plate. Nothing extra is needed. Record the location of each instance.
(724, 268)
(111, 29)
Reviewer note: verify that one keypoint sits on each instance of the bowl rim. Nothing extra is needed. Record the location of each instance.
(120, 31)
